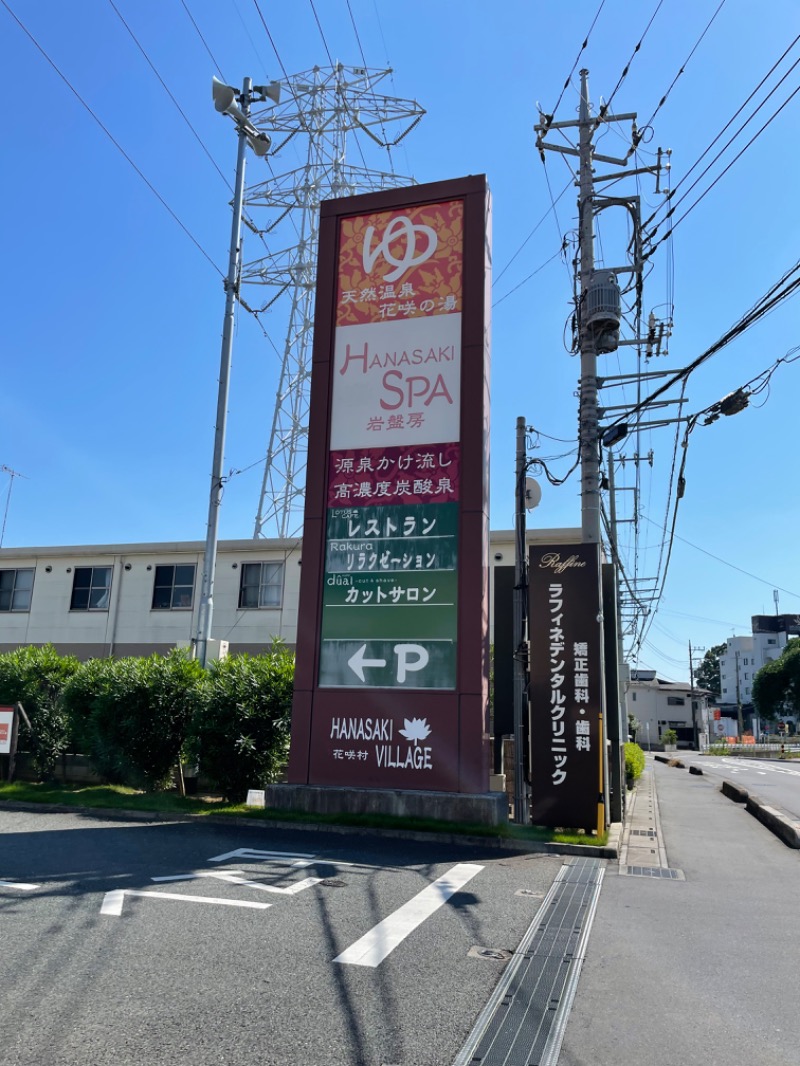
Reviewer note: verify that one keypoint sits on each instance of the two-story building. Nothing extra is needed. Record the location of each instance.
(659, 705)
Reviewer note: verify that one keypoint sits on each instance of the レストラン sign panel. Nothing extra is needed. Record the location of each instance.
(389, 608)
(565, 685)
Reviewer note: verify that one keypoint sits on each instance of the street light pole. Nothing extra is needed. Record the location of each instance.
(206, 611)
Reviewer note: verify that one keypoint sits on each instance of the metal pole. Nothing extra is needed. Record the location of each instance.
(617, 779)
(521, 811)
(205, 614)
(588, 419)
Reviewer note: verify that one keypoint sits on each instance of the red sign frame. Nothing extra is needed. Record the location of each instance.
(381, 733)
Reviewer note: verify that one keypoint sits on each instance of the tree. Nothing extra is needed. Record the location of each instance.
(707, 673)
(776, 686)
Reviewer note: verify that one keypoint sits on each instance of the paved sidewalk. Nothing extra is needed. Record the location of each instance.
(693, 956)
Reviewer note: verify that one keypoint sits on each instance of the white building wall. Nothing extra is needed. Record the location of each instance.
(647, 699)
(130, 625)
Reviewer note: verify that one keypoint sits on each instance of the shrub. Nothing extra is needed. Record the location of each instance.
(35, 677)
(669, 736)
(79, 693)
(240, 735)
(634, 762)
(131, 715)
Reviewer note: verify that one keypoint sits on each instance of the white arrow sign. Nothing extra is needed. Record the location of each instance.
(358, 661)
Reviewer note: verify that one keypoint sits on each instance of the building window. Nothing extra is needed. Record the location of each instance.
(91, 588)
(173, 587)
(675, 701)
(772, 641)
(633, 697)
(747, 677)
(261, 585)
(16, 589)
(724, 690)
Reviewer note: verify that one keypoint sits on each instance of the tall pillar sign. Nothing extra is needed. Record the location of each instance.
(566, 686)
(392, 656)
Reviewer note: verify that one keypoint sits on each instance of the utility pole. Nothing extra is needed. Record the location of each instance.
(521, 805)
(587, 417)
(692, 653)
(739, 700)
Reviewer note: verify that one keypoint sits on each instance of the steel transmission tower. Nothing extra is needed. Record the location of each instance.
(322, 106)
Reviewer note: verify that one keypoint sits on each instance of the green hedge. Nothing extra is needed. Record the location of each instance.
(130, 716)
(134, 718)
(35, 677)
(634, 761)
(240, 734)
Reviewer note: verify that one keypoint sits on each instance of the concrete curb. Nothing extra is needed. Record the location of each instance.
(522, 847)
(778, 822)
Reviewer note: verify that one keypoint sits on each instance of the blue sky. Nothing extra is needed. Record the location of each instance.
(112, 315)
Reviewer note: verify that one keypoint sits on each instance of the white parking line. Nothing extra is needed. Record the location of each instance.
(113, 901)
(257, 856)
(383, 938)
(234, 877)
(19, 884)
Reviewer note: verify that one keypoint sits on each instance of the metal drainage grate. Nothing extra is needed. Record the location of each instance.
(525, 1019)
(643, 832)
(653, 871)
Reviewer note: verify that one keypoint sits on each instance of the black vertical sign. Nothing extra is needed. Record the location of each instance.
(565, 685)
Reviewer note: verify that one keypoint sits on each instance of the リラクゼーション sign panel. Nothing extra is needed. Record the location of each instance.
(383, 699)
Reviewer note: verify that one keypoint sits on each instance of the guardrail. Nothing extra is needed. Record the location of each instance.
(763, 750)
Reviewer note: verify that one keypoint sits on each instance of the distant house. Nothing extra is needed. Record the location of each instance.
(659, 705)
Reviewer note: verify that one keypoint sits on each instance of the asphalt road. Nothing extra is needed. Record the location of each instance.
(776, 782)
(102, 964)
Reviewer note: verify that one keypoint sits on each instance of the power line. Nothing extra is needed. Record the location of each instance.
(524, 281)
(768, 302)
(535, 228)
(735, 159)
(321, 33)
(717, 558)
(113, 139)
(727, 126)
(581, 50)
(202, 38)
(169, 94)
(604, 107)
(387, 146)
(697, 43)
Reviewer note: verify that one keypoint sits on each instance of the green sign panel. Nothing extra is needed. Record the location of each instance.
(389, 616)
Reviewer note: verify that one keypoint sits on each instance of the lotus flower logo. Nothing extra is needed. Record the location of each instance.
(417, 729)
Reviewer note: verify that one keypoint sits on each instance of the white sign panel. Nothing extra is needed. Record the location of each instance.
(397, 383)
(6, 728)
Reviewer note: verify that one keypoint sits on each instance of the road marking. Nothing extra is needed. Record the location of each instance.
(19, 884)
(113, 901)
(234, 877)
(265, 856)
(383, 938)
